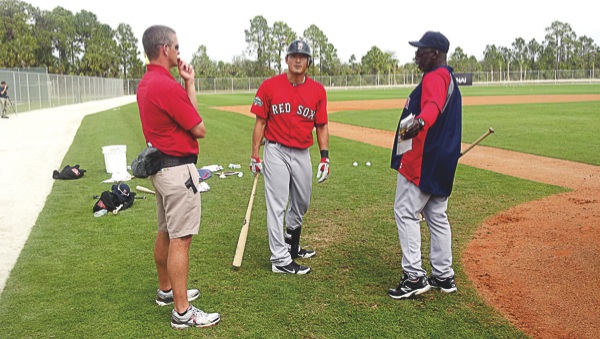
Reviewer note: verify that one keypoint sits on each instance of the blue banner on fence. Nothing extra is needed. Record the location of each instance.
(464, 78)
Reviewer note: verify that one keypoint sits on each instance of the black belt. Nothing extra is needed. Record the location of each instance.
(274, 142)
(171, 161)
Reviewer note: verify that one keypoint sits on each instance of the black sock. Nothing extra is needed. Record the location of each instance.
(167, 291)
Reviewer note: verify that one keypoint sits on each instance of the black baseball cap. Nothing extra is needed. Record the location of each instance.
(435, 40)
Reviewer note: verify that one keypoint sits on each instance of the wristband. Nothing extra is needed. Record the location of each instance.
(324, 153)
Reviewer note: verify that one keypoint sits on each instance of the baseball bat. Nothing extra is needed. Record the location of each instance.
(144, 189)
(140, 197)
(488, 132)
(241, 245)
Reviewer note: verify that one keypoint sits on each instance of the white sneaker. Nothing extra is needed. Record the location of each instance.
(164, 299)
(291, 268)
(194, 317)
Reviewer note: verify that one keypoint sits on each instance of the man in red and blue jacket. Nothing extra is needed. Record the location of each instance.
(426, 169)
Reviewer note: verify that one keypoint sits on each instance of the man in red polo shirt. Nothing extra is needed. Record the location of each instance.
(171, 123)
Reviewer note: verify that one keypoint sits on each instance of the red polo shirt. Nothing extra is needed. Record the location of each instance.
(166, 112)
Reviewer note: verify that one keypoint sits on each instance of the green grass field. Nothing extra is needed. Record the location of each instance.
(80, 276)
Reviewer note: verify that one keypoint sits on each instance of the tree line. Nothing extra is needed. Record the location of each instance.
(66, 43)
(78, 44)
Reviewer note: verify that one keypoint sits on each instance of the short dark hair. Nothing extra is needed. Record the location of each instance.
(3, 82)
(154, 37)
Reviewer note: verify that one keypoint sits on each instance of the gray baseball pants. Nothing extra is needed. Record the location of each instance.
(409, 202)
(288, 188)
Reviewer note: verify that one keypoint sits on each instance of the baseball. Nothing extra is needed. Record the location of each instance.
(368, 163)
(355, 164)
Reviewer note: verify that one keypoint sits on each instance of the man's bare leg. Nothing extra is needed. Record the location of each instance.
(177, 266)
(161, 254)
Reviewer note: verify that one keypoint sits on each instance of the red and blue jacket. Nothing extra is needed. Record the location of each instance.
(432, 161)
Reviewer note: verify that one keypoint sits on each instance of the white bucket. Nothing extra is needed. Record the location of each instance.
(115, 158)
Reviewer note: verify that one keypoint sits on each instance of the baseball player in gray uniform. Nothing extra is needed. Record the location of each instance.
(288, 107)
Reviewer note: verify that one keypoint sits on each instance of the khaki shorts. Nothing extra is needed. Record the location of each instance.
(177, 207)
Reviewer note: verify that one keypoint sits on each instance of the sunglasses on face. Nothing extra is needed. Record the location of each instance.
(167, 45)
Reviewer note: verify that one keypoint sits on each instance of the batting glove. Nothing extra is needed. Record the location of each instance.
(255, 165)
(323, 170)
(413, 129)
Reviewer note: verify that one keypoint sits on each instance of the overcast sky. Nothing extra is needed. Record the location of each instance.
(352, 29)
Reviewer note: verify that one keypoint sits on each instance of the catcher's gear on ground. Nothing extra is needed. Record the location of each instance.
(122, 194)
(323, 170)
(255, 165)
(413, 129)
(118, 198)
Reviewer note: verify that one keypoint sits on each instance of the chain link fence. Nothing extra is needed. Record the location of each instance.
(34, 90)
(37, 90)
(250, 85)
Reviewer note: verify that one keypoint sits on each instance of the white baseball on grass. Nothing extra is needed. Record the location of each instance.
(355, 164)
(368, 163)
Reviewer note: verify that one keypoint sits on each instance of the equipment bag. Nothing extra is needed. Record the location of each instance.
(122, 195)
(119, 195)
(69, 173)
(106, 202)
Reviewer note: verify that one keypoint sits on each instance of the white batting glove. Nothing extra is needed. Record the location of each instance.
(323, 170)
(255, 165)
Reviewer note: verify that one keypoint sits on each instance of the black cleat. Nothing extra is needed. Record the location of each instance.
(409, 286)
(304, 253)
(292, 268)
(447, 285)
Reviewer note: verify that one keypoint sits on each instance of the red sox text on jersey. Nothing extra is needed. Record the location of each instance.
(286, 107)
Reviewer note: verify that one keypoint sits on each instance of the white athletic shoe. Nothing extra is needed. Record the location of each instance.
(166, 298)
(194, 317)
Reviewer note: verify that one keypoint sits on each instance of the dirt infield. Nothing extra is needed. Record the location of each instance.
(537, 263)
(357, 105)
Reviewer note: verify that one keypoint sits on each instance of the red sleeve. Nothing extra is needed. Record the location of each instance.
(321, 118)
(180, 108)
(435, 90)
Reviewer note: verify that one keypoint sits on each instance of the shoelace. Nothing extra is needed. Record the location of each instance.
(198, 313)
